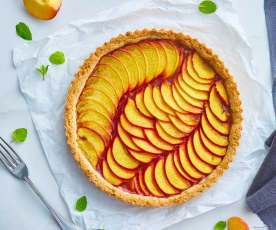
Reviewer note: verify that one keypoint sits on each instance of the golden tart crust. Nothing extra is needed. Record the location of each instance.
(78, 84)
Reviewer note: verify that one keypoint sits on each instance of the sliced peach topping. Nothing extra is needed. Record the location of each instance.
(154, 119)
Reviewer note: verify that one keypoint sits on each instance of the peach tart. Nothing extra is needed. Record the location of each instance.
(153, 117)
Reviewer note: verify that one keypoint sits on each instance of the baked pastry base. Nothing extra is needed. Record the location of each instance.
(77, 86)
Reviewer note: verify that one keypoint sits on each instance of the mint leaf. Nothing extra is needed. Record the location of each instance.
(23, 31)
(221, 225)
(43, 70)
(81, 204)
(207, 7)
(20, 135)
(57, 58)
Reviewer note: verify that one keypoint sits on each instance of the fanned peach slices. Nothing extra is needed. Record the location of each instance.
(156, 120)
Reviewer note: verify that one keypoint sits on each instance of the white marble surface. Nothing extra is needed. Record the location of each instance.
(19, 209)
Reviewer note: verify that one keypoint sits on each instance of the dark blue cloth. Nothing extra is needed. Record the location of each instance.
(261, 197)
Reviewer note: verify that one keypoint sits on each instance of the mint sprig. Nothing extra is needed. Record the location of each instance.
(221, 225)
(20, 135)
(57, 58)
(23, 31)
(43, 70)
(207, 7)
(81, 204)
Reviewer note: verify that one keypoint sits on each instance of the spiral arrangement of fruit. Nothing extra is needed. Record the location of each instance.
(153, 118)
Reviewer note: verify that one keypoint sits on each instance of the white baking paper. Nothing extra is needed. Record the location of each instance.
(221, 31)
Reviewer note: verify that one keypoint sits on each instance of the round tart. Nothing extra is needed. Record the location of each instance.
(153, 117)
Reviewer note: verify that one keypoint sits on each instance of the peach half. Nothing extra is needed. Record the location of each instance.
(43, 9)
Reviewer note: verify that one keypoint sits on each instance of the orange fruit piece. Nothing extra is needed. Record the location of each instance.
(236, 223)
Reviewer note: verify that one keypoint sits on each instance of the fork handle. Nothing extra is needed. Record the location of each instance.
(63, 224)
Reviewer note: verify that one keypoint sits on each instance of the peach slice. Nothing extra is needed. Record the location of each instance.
(189, 119)
(221, 127)
(98, 128)
(175, 179)
(180, 98)
(172, 57)
(236, 223)
(152, 59)
(212, 134)
(139, 101)
(165, 136)
(130, 128)
(194, 74)
(162, 58)
(146, 146)
(172, 130)
(143, 157)
(158, 99)
(180, 125)
(161, 178)
(168, 97)
(203, 153)
(104, 85)
(93, 138)
(215, 149)
(186, 164)
(194, 93)
(203, 69)
(87, 104)
(217, 107)
(108, 72)
(117, 169)
(152, 107)
(126, 138)
(142, 183)
(179, 167)
(193, 83)
(135, 117)
(118, 67)
(109, 175)
(89, 151)
(99, 96)
(92, 115)
(190, 100)
(131, 185)
(130, 64)
(137, 185)
(157, 141)
(150, 183)
(121, 156)
(140, 59)
(222, 92)
(196, 161)
(44, 10)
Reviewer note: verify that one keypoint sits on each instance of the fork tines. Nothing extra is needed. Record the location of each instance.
(7, 154)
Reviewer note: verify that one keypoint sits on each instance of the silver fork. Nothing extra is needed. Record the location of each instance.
(15, 165)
